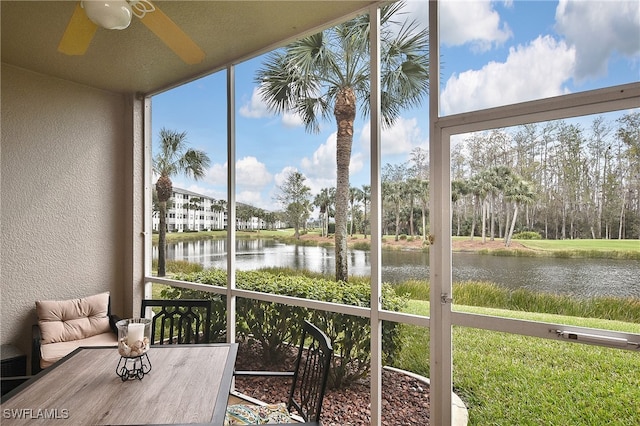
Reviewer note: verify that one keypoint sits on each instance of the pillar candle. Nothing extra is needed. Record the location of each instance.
(135, 332)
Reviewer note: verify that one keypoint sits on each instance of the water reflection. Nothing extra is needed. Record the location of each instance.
(576, 277)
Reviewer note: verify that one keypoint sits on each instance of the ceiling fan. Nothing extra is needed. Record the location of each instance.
(116, 14)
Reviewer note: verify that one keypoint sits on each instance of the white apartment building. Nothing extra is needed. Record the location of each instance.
(190, 211)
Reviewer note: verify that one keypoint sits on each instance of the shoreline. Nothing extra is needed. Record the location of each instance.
(389, 243)
(458, 244)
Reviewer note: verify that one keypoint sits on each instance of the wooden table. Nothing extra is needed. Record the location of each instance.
(186, 384)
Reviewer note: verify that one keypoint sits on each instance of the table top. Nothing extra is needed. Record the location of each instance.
(186, 384)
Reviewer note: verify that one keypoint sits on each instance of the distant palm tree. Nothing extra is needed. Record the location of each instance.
(519, 192)
(423, 197)
(411, 190)
(355, 195)
(392, 192)
(323, 202)
(173, 158)
(366, 198)
(193, 204)
(459, 188)
(329, 73)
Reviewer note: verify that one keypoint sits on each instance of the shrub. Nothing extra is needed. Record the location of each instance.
(361, 245)
(275, 325)
(218, 326)
(527, 235)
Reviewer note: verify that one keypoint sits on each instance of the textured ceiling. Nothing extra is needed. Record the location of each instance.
(135, 60)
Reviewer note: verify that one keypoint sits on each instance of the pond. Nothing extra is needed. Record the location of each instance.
(575, 277)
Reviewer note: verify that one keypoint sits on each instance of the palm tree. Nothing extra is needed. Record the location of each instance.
(459, 188)
(218, 207)
(498, 177)
(329, 72)
(392, 192)
(411, 189)
(323, 202)
(479, 188)
(423, 197)
(193, 204)
(355, 195)
(173, 158)
(520, 192)
(366, 198)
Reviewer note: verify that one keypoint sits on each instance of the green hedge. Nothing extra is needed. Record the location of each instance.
(275, 325)
(527, 235)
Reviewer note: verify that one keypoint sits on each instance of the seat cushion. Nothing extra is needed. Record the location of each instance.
(52, 352)
(247, 414)
(69, 320)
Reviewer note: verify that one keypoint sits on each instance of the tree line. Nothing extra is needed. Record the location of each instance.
(556, 179)
(570, 181)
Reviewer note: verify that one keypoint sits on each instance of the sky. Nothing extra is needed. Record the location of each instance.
(492, 53)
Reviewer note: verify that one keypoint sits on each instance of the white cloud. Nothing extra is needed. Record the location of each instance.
(256, 107)
(472, 22)
(252, 179)
(536, 71)
(217, 175)
(401, 138)
(252, 174)
(290, 119)
(282, 176)
(418, 10)
(597, 30)
(218, 195)
(253, 198)
(322, 162)
(321, 166)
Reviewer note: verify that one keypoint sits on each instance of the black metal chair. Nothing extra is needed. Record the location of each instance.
(179, 321)
(309, 377)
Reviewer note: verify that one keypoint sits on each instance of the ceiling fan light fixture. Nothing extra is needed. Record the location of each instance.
(112, 14)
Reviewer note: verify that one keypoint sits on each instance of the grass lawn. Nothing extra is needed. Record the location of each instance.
(507, 379)
(597, 245)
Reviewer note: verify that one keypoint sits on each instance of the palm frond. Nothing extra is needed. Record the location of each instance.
(306, 76)
(194, 162)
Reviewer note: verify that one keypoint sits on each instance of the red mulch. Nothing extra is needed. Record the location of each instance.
(405, 400)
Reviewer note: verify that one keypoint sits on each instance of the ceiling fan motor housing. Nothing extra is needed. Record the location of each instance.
(112, 14)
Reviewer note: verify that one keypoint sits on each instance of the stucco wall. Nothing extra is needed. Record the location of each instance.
(65, 202)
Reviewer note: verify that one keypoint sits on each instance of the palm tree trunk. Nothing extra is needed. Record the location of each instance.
(507, 241)
(326, 223)
(364, 224)
(162, 238)
(620, 227)
(424, 225)
(484, 221)
(351, 224)
(473, 221)
(345, 112)
(411, 216)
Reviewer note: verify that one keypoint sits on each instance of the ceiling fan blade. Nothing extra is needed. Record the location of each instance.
(175, 39)
(78, 34)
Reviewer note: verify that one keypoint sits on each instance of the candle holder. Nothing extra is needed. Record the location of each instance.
(134, 335)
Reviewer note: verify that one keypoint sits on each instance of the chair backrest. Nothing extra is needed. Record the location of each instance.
(311, 373)
(180, 321)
